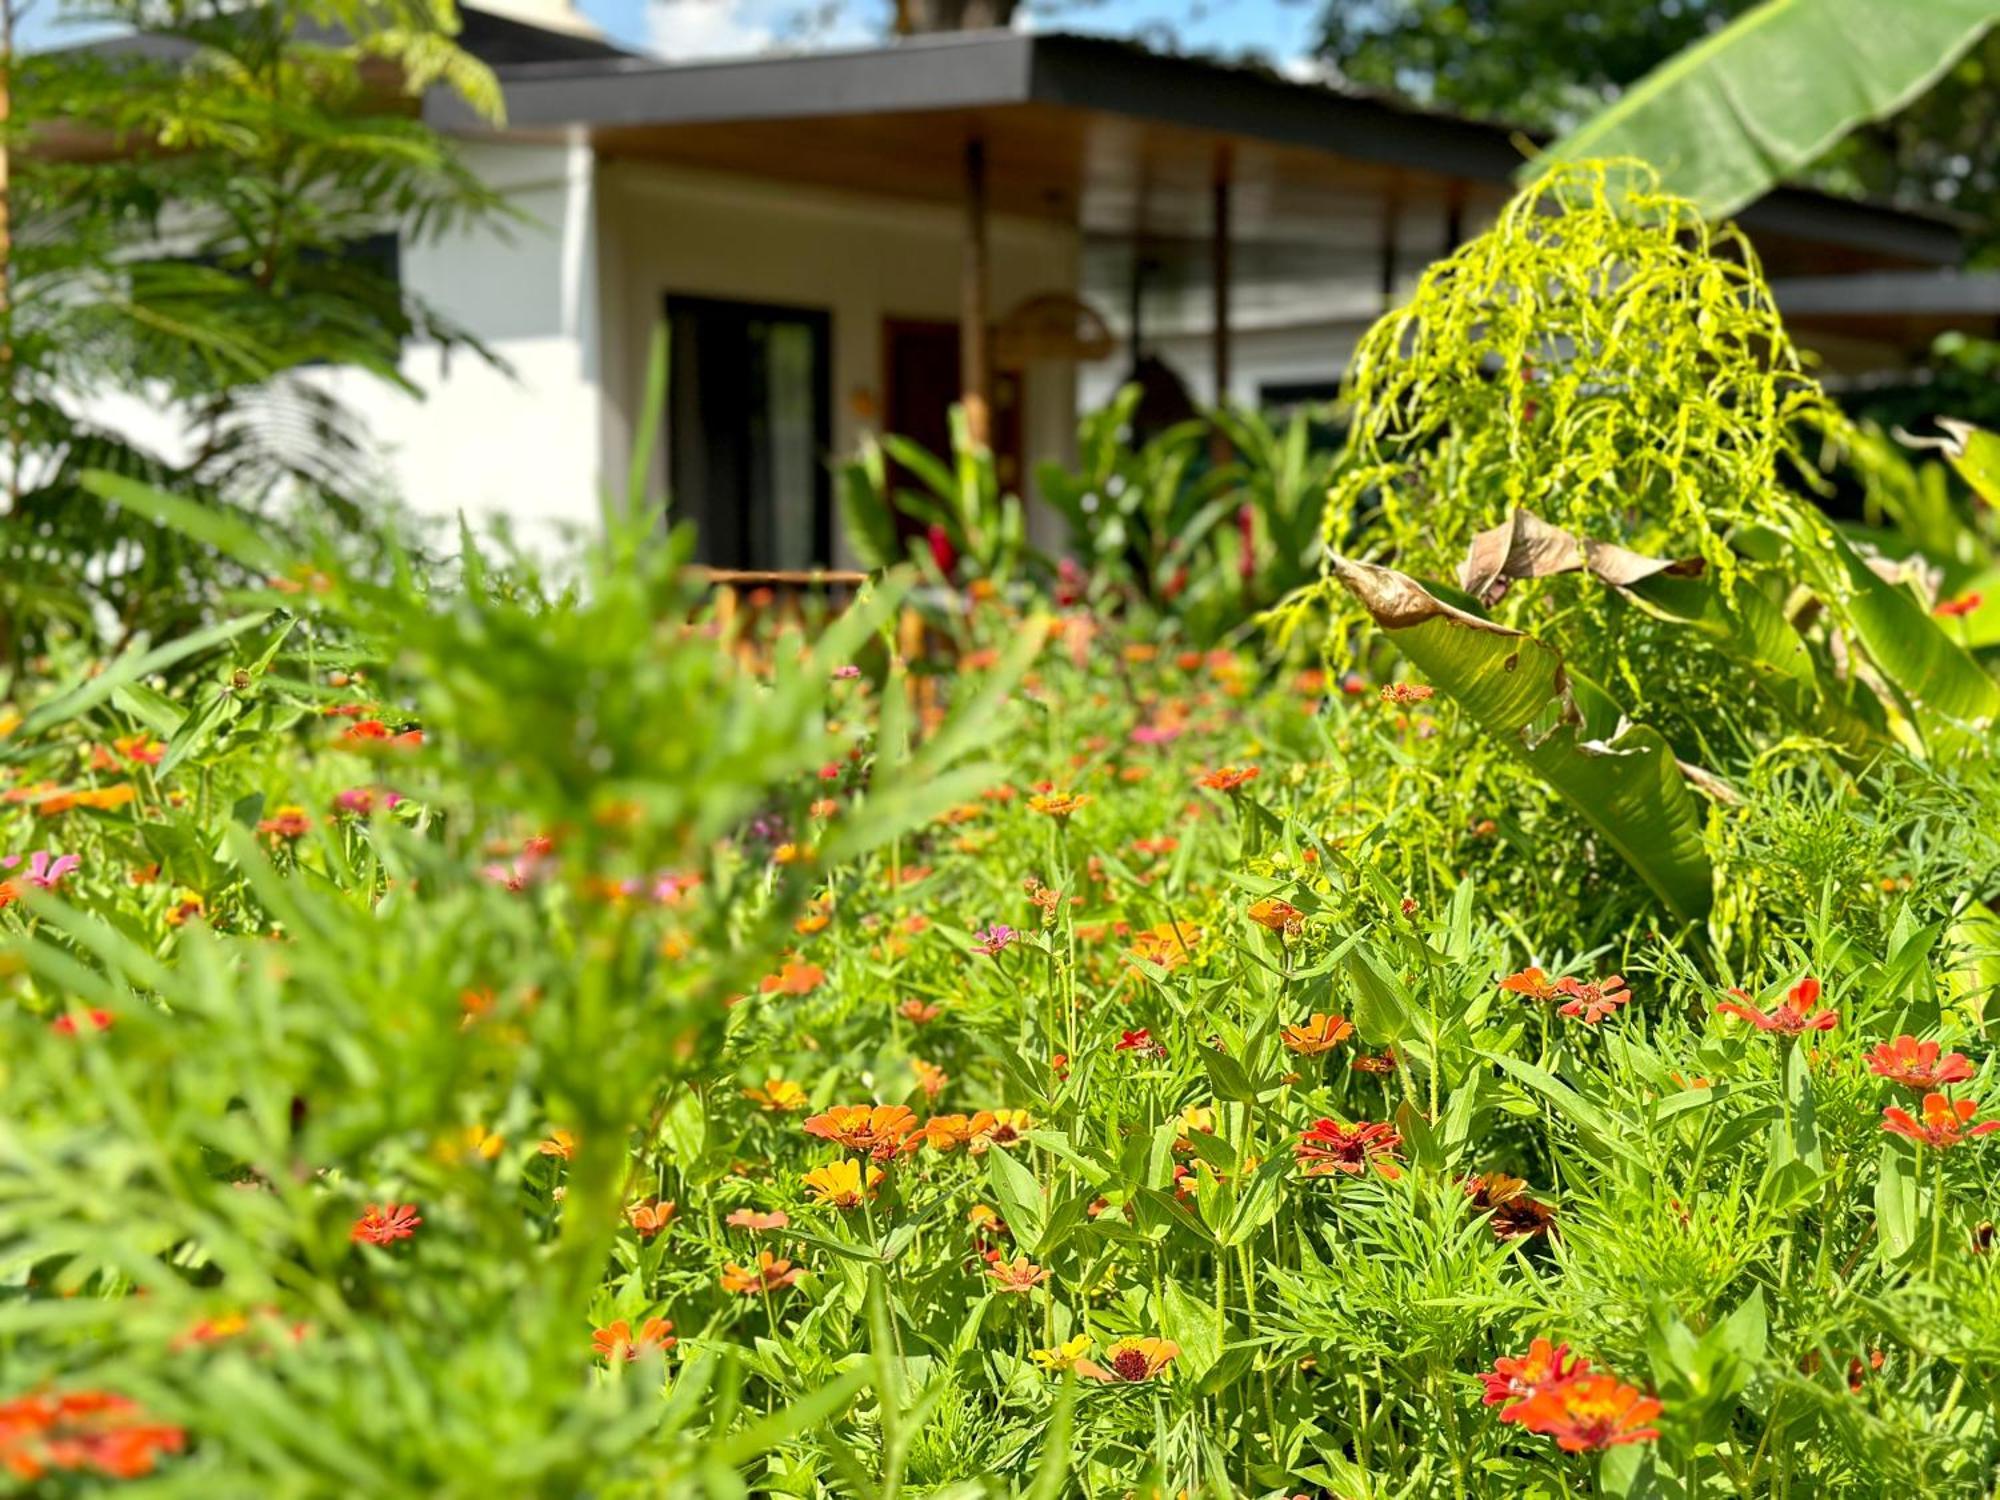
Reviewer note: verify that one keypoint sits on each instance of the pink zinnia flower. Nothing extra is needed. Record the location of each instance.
(994, 940)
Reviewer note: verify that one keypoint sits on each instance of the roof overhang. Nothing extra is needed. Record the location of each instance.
(1010, 71)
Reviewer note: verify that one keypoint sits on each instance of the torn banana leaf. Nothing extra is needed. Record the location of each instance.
(1744, 624)
(1622, 777)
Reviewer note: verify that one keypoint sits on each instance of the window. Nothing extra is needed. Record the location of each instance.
(749, 424)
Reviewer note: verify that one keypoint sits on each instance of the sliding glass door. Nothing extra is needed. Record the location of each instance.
(749, 425)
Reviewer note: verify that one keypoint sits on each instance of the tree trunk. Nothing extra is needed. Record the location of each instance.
(915, 17)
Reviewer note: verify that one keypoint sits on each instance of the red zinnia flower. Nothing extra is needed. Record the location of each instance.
(1943, 1124)
(382, 1225)
(1141, 1042)
(1517, 1377)
(1795, 1014)
(1229, 778)
(69, 1023)
(1589, 1412)
(1327, 1147)
(1916, 1065)
(82, 1432)
(1592, 1000)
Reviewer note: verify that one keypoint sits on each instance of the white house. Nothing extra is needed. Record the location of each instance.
(854, 240)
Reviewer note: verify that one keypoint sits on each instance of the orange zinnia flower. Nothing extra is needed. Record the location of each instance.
(1001, 1127)
(778, 1096)
(287, 822)
(1279, 916)
(943, 1133)
(141, 749)
(794, 978)
(1130, 1361)
(650, 1217)
(1532, 983)
(1943, 1124)
(617, 1341)
(1327, 1147)
(1020, 1275)
(1589, 1412)
(559, 1143)
(1320, 1033)
(918, 1011)
(1916, 1065)
(841, 1185)
(1057, 804)
(770, 1274)
(384, 1225)
(877, 1129)
(756, 1223)
(1794, 1015)
(1229, 778)
(1168, 945)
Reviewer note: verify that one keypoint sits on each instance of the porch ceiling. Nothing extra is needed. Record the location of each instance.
(1119, 141)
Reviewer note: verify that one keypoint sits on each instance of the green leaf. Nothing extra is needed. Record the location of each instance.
(1895, 1202)
(1735, 114)
(1190, 1323)
(1021, 1202)
(1515, 688)
(1938, 676)
(1381, 1005)
(130, 667)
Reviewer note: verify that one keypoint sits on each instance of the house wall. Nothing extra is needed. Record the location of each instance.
(859, 257)
(520, 439)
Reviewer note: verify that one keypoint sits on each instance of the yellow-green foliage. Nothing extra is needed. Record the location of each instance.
(1600, 356)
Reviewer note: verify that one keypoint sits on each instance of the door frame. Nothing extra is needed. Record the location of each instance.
(820, 320)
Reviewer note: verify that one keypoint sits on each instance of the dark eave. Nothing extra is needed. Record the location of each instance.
(999, 70)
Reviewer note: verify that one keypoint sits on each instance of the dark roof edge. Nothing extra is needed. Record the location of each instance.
(998, 69)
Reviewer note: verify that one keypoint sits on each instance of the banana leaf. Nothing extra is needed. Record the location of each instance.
(1743, 623)
(1621, 776)
(1932, 672)
(1729, 118)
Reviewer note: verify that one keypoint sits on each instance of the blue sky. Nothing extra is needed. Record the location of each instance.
(1276, 28)
(1279, 30)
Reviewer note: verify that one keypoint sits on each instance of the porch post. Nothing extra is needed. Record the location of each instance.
(1219, 336)
(1392, 223)
(975, 360)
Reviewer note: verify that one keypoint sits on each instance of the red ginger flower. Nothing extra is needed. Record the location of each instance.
(1589, 1412)
(1327, 1147)
(1516, 1377)
(1943, 1124)
(384, 1225)
(1793, 1015)
(1916, 1065)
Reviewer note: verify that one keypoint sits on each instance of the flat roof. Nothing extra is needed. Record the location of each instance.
(1005, 70)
